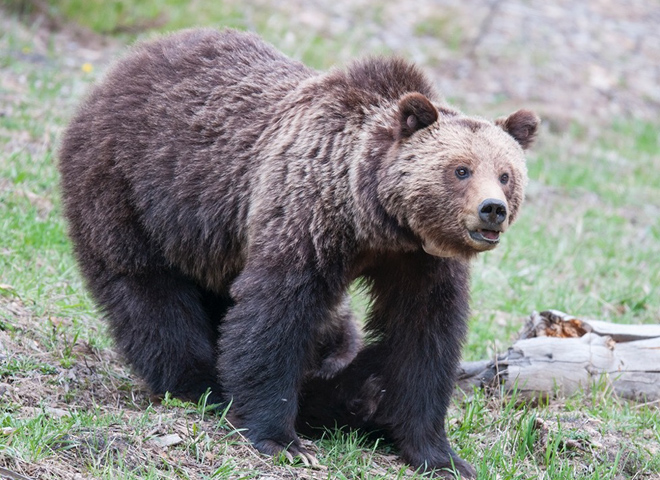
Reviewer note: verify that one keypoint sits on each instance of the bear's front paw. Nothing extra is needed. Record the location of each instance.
(455, 468)
(291, 451)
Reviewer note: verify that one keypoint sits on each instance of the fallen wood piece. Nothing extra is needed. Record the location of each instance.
(553, 323)
(559, 354)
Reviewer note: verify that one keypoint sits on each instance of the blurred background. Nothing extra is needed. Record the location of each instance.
(592, 61)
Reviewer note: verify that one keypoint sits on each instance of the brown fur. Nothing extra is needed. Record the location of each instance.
(221, 199)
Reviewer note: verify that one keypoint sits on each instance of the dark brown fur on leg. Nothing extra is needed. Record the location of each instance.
(172, 346)
(401, 383)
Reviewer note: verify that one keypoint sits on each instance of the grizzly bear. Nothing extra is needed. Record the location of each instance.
(221, 199)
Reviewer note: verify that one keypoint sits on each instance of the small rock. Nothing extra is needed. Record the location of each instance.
(165, 441)
(56, 412)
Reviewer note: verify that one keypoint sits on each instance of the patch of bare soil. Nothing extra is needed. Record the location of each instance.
(120, 425)
(96, 382)
(587, 437)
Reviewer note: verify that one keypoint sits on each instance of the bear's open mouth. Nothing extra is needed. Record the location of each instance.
(483, 235)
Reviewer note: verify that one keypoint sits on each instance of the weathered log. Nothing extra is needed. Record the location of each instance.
(559, 354)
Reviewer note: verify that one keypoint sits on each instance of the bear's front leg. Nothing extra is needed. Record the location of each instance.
(418, 320)
(266, 344)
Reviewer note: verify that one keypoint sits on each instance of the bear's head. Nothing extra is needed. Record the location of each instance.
(457, 182)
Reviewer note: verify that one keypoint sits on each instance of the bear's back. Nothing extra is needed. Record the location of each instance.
(190, 88)
(157, 159)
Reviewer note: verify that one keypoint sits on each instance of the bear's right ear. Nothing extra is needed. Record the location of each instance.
(415, 112)
(521, 125)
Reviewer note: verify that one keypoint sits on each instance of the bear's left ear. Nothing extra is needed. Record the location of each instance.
(415, 112)
(521, 125)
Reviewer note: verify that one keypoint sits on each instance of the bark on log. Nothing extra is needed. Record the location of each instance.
(559, 354)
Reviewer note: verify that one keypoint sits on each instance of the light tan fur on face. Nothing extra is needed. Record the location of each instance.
(443, 209)
(492, 154)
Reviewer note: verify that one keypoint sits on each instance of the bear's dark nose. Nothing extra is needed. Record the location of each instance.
(492, 211)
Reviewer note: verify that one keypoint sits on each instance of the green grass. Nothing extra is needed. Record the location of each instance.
(130, 17)
(587, 242)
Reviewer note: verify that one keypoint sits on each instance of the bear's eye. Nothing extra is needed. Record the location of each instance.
(504, 178)
(462, 172)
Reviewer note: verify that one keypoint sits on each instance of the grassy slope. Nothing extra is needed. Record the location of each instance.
(587, 242)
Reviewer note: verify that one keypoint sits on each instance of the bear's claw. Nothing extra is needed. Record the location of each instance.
(291, 452)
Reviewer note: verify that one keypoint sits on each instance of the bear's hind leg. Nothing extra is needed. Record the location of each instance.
(161, 326)
(341, 341)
